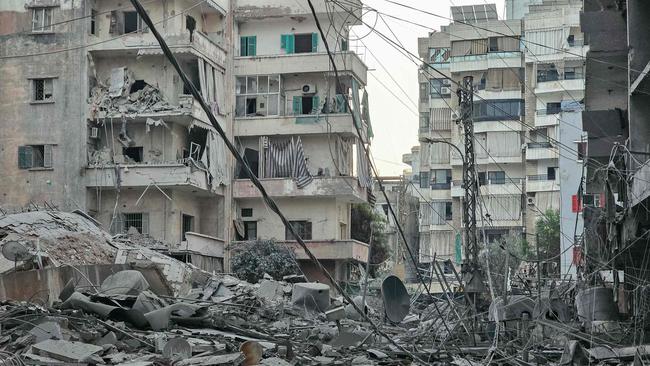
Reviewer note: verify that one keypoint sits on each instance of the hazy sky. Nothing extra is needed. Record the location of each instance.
(395, 125)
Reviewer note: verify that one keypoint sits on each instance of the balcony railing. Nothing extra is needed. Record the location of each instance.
(546, 112)
(441, 185)
(540, 178)
(539, 145)
(490, 182)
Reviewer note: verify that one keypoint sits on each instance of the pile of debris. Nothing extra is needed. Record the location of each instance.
(127, 96)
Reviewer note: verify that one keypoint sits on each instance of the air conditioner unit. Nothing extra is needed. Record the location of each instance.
(445, 90)
(309, 89)
(94, 133)
(531, 201)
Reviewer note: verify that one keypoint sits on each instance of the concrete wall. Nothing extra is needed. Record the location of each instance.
(61, 123)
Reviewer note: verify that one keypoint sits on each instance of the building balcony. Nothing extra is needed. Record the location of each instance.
(544, 118)
(541, 183)
(456, 161)
(341, 187)
(200, 244)
(497, 94)
(298, 63)
(165, 176)
(507, 186)
(492, 60)
(331, 249)
(560, 86)
(140, 44)
(247, 10)
(188, 112)
(541, 150)
(339, 123)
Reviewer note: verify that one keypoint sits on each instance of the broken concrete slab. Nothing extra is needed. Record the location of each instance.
(270, 290)
(311, 296)
(130, 282)
(46, 330)
(274, 361)
(227, 359)
(66, 350)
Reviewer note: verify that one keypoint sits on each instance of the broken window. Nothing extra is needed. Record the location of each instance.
(553, 108)
(123, 222)
(302, 228)
(424, 179)
(305, 104)
(258, 96)
(344, 44)
(440, 88)
(43, 90)
(34, 156)
(126, 22)
(550, 172)
(424, 92)
(93, 22)
(248, 46)
(439, 55)
(41, 20)
(133, 154)
(246, 212)
(441, 179)
(299, 43)
(187, 225)
(252, 158)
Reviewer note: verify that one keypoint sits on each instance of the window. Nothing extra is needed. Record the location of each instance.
(441, 179)
(133, 154)
(43, 90)
(302, 228)
(306, 104)
(424, 179)
(250, 230)
(547, 73)
(448, 212)
(246, 212)
(572, 73)
(188, 225)
(124, 222)
(440, 88)
(133, 22)
(93, 22)
(41, 20)
(582, 150)
(494, 44)
(424, 92)
(550, 172)
(439, 55)
(553, 108)
(495, 235)
(258, 96)
(571, 40)
(34, 156)
(498, 110)
(481, 179)
(497, 177)
(248, 46)
(344, 44)
(594, 199)
(299, 43)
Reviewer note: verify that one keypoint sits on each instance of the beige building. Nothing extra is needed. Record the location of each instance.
(292, 124)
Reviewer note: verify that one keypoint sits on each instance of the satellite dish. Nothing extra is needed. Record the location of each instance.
(16, 252)
(397, 301)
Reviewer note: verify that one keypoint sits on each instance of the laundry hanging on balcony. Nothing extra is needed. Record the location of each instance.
(287, 160)
(363, 172)
(214, 157)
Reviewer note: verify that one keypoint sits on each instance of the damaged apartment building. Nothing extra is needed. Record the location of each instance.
(295, 129)
(526, 117)
(97, 120)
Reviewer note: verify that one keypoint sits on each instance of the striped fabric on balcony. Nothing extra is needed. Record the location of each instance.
(287, 160)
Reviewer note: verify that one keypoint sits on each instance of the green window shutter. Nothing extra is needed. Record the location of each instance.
(252, 46)
(283, 41)
(24, 157)
(243, 46)
(290, 44)
(47, 156)
(340, 103)
(314, 42)
(316, 104)
(297, 105)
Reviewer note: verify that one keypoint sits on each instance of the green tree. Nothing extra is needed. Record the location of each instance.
(503, 254)
(251, 260)
(367, 222)
(547, 228)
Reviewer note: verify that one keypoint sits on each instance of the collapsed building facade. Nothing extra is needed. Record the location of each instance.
(108, 127)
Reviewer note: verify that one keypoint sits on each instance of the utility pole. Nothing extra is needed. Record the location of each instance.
(471, 270)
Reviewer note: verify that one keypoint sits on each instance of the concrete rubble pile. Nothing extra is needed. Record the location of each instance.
(138, 307)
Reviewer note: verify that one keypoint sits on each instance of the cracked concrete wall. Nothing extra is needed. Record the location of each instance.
(61, 123)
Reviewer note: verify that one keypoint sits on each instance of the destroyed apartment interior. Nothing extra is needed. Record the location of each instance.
(324, 182)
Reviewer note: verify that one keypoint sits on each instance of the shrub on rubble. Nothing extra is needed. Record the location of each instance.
(251, 260)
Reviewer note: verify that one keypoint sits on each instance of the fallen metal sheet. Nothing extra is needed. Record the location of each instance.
(80, 301)
(513, 310)
(397, 301)
(65, 350)
(177, 349)
(311, 296)
(161, 319)
(129, 282)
